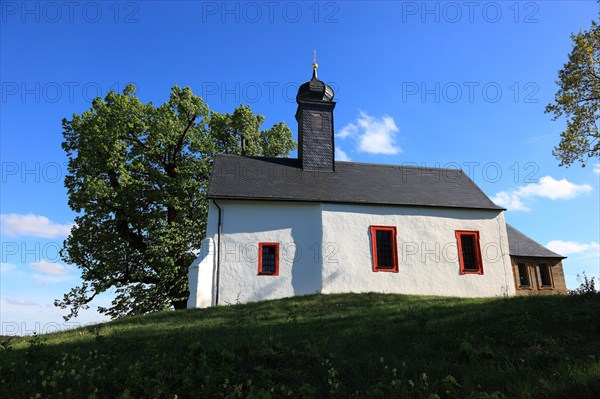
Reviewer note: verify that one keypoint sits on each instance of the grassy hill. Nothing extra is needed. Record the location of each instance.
(321, 346)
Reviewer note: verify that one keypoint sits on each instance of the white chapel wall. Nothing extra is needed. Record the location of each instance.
(327, 248)
(427, 251)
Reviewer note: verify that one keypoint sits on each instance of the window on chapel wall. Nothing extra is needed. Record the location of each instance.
(523, 275)
(469, 252)
(545, 276)
(268, 259)
(384, 247)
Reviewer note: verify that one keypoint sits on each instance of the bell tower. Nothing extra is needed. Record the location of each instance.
(315, 124)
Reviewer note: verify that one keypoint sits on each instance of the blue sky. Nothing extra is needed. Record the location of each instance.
(450, 84)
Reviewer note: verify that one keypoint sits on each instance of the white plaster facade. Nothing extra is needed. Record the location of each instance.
(326, 248)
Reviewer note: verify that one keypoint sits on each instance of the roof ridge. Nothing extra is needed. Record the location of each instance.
(257, 157)
(398, 166)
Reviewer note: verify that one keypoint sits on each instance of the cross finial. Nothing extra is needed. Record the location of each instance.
(315, 66)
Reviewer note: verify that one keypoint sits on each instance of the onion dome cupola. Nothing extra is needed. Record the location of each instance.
(315, 124)
(314, 89)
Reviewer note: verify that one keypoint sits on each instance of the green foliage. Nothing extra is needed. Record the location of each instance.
(5, 344)
(334, 346)
(578, 99)
(587, 286)
(137, 178)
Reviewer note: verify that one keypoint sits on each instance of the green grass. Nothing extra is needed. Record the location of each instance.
(320, 346)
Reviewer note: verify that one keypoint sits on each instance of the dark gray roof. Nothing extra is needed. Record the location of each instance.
(257, 178)
(521, 245)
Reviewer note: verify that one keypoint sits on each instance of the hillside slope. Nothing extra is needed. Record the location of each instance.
(319, 346)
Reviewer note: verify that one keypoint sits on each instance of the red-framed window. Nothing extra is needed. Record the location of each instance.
(385, 249)
(469, 252)
(268, 259)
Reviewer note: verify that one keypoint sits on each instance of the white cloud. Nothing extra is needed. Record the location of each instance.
(341, 155)
(47, 279)
(31, 225)
(372, 135)
(572, 247)
(21, 302)
(547, 187)
(349, 130)
(597, 168)
(50, 273)
(509, 201)
(46, 267)
(7, 267)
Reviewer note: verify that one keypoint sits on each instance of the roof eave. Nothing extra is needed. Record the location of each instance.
(242, 198)
(539, 256)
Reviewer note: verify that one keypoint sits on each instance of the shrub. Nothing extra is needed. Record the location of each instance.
(587, 286)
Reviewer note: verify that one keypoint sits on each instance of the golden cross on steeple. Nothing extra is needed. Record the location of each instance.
(315, 66)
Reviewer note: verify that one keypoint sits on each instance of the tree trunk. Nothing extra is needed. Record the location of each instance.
(180, 304)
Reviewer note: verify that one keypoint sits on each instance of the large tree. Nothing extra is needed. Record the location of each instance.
(578, 99)
(137, 179)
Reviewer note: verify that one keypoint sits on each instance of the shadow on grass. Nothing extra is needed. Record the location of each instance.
(366, 345)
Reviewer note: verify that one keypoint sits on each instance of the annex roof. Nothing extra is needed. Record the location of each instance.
(521, 245)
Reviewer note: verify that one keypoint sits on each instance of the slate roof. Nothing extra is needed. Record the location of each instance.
(521, 245)
(282, 179)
